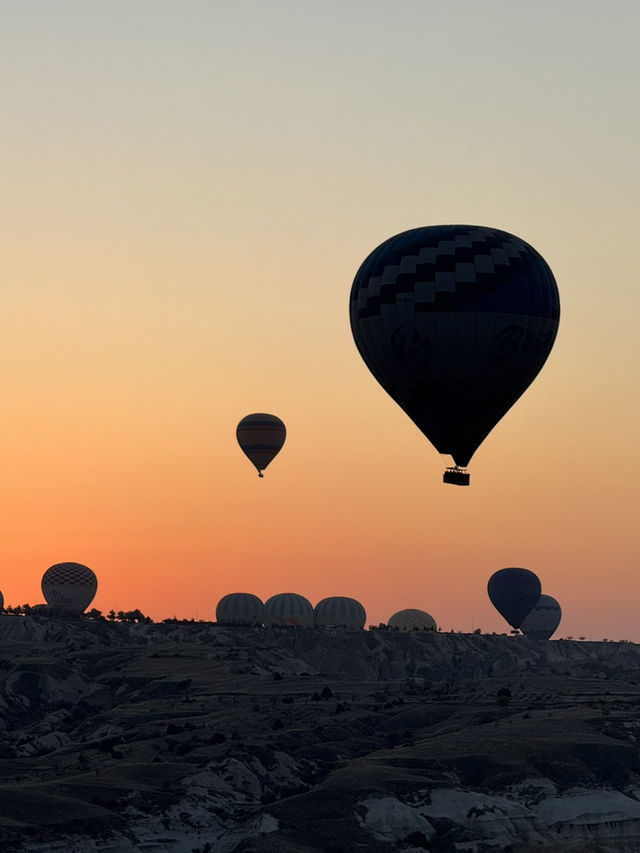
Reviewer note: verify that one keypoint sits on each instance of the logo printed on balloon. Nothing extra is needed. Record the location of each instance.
(510, 340)
(410, 345)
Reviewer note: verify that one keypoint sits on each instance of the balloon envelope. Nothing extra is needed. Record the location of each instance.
(514, 593)
(289, 609)
(261, 437)
(411, 619)
(339, 611)
(69, 586)
(239, 608)
(454, 321)
(543, 620)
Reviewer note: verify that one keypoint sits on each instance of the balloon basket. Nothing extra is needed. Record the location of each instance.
(456, 476)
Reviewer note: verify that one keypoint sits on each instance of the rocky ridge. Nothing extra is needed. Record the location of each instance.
(188, 737)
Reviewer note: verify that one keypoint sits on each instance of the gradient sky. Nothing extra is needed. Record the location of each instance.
(188, 189)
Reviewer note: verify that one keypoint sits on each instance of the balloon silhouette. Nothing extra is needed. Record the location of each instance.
(514, 593)
(69, 586)
(261, 438)
(239, 608)
(543, 620)
(455, 322)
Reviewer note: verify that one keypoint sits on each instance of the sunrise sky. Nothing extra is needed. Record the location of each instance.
(188, 189)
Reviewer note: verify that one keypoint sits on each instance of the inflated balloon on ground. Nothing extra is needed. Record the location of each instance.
(69, 586)
(543, 620)
(339, 611)
(288, 609)
(412, 619)
(514, 593)
(239, 608)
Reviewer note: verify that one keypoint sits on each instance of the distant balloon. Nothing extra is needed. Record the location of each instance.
(514, 593)
(543, 620)
(338, 611)
(261, 438)
(239, 608)
(455, 322)
(411, 619)
(69, 586)
(288, 609)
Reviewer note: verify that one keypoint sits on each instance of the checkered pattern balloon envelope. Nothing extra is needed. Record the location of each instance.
(514, 593)
(261, 437)
(455, 322)
(69, 586)
(543, 620)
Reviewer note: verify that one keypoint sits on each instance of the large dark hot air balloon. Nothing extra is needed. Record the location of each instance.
(455, 322)
(543, 620)
(514, 593)
(261, 438)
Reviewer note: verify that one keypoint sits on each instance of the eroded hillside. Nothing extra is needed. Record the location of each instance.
(191, 737)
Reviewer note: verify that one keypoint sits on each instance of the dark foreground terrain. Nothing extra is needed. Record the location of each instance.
(191, 737)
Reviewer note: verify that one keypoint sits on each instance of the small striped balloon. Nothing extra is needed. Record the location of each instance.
(261, 437)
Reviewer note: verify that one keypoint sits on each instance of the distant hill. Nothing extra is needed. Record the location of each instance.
(186, 737)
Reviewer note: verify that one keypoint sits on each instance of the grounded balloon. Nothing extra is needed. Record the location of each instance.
(412, 620)
(239, 608)
(455, 322)
(288, 609)
(514, 593)
(543, 620)
(261, 438)
(339, 611)
(69, 586)
(1, 601)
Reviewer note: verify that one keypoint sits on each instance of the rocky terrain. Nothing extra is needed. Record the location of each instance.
(187, 737)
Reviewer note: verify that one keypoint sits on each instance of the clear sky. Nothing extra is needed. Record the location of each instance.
(188, 188)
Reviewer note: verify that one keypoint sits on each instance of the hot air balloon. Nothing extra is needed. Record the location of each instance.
(514, 593)
(239, 608)
(411, 619)
(288, 609)
(261, 438)
(455, 322)
(339, 611)
(543, 620)
(69, 586)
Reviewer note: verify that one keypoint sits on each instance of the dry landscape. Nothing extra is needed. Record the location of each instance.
(186, 737)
